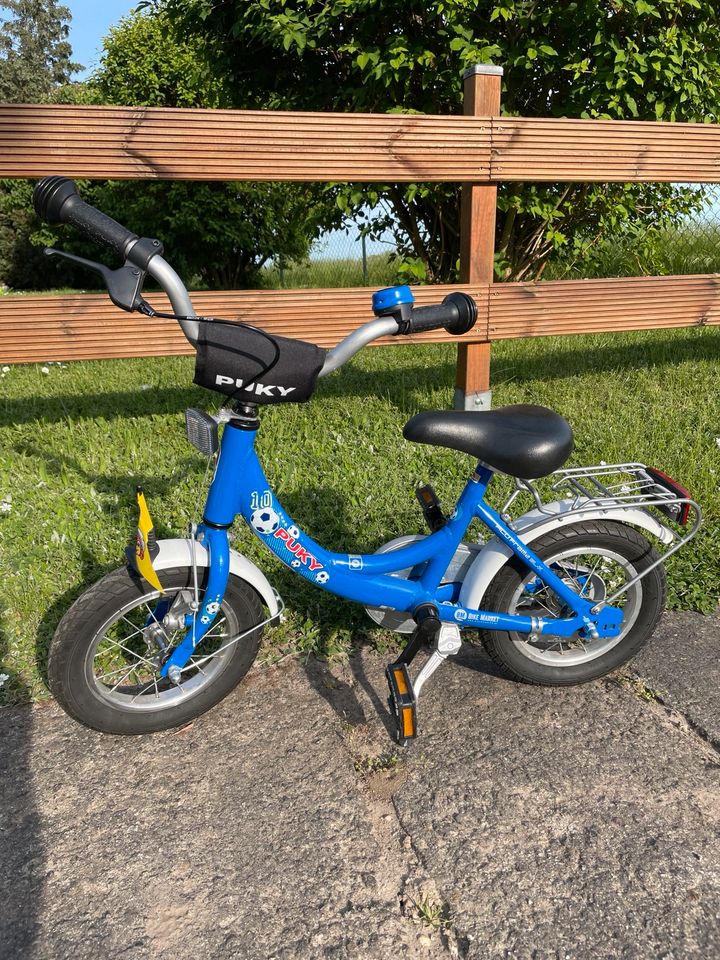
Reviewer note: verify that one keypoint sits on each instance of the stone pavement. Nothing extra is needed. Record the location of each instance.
(525, 823)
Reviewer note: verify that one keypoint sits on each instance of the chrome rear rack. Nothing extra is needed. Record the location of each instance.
(613, 484)
(613, 488)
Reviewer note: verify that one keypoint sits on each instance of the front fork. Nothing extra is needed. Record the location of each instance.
(199, 621)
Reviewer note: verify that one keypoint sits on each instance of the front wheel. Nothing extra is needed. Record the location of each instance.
(105, 658)
(594, 558)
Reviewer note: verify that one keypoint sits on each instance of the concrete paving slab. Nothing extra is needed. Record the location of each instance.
(526, 822)
(681, 664)
(564, 823)
(242, 836)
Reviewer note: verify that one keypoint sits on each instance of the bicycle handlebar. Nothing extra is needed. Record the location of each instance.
(457, 314)
(56, 200)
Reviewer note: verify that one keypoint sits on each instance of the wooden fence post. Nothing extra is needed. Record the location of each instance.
(482, 87)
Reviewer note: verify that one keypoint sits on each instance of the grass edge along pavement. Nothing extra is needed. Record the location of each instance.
(76, 438)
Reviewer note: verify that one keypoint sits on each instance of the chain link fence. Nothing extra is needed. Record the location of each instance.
(661, 230)
(341, 258)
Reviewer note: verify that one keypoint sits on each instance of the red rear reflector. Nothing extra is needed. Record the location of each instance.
(679, 512)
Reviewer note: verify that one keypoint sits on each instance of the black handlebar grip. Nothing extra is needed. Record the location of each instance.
(457, 313)
(56, 200)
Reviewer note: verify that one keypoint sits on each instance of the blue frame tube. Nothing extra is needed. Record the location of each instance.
(240, 487)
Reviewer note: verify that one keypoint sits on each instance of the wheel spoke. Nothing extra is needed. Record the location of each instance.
(126, 650)
(136, 630)
(588, 582)
(564, 567)
(153, 682)
(123, 679)
(106, 676)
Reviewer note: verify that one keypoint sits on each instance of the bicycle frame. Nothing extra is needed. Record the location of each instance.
(240, 487)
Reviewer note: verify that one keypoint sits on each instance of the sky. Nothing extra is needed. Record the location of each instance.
(91, 20)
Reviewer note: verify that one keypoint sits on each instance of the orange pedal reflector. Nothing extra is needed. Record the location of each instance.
(400, 681)
(402, 702)
(408, 722)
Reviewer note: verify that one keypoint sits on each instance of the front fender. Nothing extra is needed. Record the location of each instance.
(534, 524)
(177, 553)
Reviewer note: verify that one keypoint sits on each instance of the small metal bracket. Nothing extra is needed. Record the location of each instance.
(486, 69)
(482, 400)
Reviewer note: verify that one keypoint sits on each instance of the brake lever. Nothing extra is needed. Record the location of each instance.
(123, 285)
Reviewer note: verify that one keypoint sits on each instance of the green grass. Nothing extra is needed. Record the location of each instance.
(381, 272)
(683, 250)
(75, 441)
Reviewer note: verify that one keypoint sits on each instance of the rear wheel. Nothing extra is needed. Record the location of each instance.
(594, 558)
(105, 657)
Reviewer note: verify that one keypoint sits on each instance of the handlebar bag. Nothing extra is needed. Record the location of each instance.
(248, 364)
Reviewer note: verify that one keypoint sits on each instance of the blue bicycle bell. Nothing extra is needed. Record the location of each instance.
(392, 300)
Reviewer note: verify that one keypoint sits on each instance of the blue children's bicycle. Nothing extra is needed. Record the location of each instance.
(563, 593)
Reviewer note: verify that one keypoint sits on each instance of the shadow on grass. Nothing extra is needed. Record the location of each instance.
(120, 489)
(400, 385)
(22, 854)
(91, 572)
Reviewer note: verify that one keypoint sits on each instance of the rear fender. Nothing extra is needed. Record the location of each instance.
(177, 553)
(535, 524)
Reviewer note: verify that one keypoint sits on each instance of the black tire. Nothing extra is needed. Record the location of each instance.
(87, 642)
(540, 660)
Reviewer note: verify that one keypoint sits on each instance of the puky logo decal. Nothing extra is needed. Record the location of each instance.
(301, 554)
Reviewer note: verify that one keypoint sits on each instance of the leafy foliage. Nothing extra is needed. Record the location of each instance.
(621, 59)
(220, 234)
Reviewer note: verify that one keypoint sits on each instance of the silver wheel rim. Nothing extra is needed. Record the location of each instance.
(594, 572)
(124, 673)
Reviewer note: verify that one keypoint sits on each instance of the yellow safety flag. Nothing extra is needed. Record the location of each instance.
(145, 543)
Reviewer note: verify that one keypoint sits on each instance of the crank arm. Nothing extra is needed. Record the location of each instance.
(404, 692)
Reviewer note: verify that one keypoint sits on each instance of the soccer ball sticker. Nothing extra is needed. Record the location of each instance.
(265, 521)
(322, 577)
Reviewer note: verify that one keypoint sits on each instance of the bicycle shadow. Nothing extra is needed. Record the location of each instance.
(351, 696)
(22, 854)
(91, 570)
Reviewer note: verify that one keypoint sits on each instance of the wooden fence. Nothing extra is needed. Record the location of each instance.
(478, 149)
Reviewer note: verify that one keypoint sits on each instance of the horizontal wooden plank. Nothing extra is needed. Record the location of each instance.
(596, 306)
(89, 327)
(154, 142)
(167, 143)
(544, 149)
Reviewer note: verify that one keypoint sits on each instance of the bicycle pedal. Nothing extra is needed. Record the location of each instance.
(402, 702)
(432, 511)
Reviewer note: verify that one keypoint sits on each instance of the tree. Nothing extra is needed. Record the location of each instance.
(220, 233)
(645, 59)
(217, 234)
(34, 51)
(35, 60)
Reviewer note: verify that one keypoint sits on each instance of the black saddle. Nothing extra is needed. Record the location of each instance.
(524, 440)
